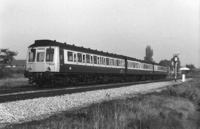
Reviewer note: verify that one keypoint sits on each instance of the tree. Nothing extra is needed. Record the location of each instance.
(6, 56)
(166, 63)
(149, 54)
(191, 67)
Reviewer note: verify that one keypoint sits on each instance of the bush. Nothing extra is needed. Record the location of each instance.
(5, 73)
(10, 72)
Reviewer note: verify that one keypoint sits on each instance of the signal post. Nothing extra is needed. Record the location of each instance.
(175, 65)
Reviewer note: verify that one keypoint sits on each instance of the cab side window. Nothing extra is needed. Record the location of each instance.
(32, 55)
(49, 54)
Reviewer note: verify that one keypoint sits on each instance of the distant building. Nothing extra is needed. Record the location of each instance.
(18, 63)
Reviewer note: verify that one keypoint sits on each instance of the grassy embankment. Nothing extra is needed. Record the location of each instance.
(12, 78)
(174, 108)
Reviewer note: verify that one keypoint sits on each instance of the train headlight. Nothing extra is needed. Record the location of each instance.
(48, 69)
(29, 69)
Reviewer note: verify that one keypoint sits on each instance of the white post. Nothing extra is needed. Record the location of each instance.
(183, 77)
(175, 71)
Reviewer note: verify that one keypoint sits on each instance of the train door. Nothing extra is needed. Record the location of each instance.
(61, 56)
(126, 65)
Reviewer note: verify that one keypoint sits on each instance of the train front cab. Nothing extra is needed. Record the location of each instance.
(41, 63)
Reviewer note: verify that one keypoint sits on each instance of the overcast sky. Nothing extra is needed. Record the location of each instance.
(117, 26)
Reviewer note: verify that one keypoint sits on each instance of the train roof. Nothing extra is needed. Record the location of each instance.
(46, 42)
(134, 59)
(39, 43)
(143, 61)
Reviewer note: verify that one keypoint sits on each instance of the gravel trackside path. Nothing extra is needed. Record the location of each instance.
(35, 109)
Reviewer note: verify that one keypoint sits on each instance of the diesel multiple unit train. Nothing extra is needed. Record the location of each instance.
(52, 62)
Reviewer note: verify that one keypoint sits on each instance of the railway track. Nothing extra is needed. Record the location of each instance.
(9, 95)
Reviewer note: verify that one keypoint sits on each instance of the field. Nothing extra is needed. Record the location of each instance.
(175, 108)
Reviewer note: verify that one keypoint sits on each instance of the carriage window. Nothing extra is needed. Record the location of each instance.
(117, 63)
(70, 56)
(120, 62)
(146, 66)
(123, 63)
(137, 65)
(113, 62)
(95, 59)
(149, 66)
(101, 62)
(79, 57)
(31, 55)
(110, 62)
(107, 61)
(87, 58)
(142, 66)
(83, 58)
(129, 64)
(74, 57)
(49, 54)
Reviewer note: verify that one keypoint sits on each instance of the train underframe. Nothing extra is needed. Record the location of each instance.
(70, 79)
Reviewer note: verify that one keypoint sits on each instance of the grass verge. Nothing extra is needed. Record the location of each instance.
(12, 78)
(13, 82)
